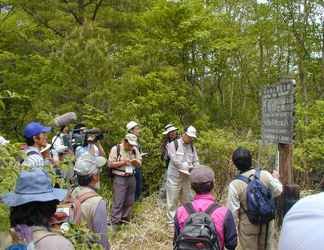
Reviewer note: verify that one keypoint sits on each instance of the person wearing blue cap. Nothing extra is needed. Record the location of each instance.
(32, 205)
(36, 139)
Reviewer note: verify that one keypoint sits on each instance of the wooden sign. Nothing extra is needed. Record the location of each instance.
(278, 105)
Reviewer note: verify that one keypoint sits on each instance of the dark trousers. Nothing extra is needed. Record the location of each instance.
(123, 198)
(139, 180)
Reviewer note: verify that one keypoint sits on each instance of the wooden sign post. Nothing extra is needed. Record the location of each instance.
(278, 108)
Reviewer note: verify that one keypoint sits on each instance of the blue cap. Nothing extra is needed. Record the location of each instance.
(35, 128)
(33, 186)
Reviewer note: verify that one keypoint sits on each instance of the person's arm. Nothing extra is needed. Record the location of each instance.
(233, 202)
(99, 224)
(113, 161)
(101, 150)
(177, 156)
(274, 183)
(195, 162)
(137, 162)
(230, 233)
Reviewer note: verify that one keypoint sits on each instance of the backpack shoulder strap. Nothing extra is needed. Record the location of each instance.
(82, 198)
(77, 205)
(176, 144)
(189, 208)
(32, 153)
(212, 207)
(257, 173)
(118, 152)
(44, 235)
(243, 178)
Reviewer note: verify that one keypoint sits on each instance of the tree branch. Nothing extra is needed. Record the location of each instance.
(96, 10)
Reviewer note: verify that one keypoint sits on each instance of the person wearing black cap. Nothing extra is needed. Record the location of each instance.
(251, 236)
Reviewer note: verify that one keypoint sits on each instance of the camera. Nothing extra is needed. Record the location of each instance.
(81, 137)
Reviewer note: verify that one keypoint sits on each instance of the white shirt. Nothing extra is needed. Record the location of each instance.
(302, 227)
(34, 158)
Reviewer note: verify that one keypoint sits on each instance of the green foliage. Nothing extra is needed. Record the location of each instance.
(156, 61)
(82, 238)
(9, 170)
(215, 149)
(310, 134)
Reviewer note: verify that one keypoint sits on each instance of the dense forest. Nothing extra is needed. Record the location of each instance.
(199, 62)
(157, 61)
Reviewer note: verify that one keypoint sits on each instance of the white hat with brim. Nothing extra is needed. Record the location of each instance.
(88, 164)
(33, 186)
(191, 131)
(169, 129)
(3, 141)
(131, 125)
(131, 139)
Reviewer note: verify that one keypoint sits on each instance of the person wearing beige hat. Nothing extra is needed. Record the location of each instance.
(134, 128)
(124, 158)
(93, 206)
(183, 158)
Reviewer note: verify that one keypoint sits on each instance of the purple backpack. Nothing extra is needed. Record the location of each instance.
(260, 204)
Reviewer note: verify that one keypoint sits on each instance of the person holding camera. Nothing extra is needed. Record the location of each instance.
(91, 143)
(124, 158)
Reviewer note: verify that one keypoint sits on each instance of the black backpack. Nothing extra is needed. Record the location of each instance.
(199, 232)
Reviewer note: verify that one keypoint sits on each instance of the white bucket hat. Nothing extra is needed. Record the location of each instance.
(131, 125)
(191, 131)
(169, 128)
(88, 164)
(3, 141)
(132, 139)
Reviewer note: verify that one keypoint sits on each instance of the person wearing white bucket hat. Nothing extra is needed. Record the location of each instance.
(170, 134)
(32, 205)
(183, 158)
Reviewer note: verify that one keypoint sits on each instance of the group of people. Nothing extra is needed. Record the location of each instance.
(200, 222)
(35, 203)
(185, 173)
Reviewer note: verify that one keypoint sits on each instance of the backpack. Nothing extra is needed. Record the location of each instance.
(110, 170)
(261, 207)
(199, 231)
(70, 211)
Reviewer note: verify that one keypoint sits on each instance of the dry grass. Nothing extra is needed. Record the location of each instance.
(147, 230)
